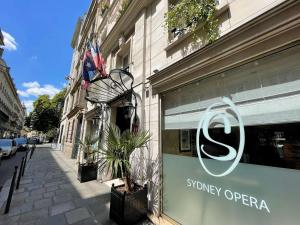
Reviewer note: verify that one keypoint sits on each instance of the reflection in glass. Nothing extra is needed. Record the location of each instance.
(270, 145)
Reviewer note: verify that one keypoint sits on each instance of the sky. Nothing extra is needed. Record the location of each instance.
(37, 36)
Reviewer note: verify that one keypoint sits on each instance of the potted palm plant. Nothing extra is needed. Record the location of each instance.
(87, 171)
(128, 201)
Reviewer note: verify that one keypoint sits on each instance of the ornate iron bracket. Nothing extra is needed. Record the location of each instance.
(117, 85)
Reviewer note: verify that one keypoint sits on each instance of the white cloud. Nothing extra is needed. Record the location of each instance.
(35, 89)
(29, 105)
(23, 93)
(9, 41)
(33, 84)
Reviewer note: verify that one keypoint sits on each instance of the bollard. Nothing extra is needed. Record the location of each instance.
(24, 165)
(11, 191)
(20, 173)
(32, 150)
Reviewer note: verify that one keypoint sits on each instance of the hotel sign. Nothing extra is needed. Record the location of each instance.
(209, 117)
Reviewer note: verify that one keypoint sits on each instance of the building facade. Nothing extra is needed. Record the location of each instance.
(223, 116)
(12, 112)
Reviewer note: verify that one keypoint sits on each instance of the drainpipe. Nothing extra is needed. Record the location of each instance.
(143, 119)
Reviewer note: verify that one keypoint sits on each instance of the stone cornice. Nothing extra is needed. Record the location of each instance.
(89, 114)
(74, 111)
(76, 84)
(76, 33)
(89, 18)
(276, 28)
(1, 38)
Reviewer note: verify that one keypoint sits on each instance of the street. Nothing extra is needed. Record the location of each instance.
(7, 167)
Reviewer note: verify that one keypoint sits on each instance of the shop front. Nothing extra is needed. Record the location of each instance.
(231, 145)
(230, 121)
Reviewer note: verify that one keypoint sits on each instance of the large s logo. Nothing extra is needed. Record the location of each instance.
(209, 117)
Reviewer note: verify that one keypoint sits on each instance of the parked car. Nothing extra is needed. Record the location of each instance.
(1, 153)
(22, 144)
(8, 147)
(34, 140)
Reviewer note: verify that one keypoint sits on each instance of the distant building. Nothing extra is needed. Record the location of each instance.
(12, 112)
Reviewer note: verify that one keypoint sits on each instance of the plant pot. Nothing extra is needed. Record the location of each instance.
(128, 208)
(87, 172)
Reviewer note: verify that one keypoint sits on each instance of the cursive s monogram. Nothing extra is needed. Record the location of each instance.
(208, 117)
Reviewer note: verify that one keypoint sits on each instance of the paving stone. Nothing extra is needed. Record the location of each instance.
(34, 186)
(61, 208)
(56, 183)
(62, 192)
(54, 220)
(89, 221)
(6, 219)
(99, 209)
(9, 223)
(66, 186)
(77, 215)
(19, 196)
(34, 215)
(38, 191)
(14, 212)
(32, 222)
(26, 181)
(51, 188)
(34, 198)
(42, 203)
(17, 202)
(21, 208)
(20, 190)
(62, 198)
(49, 194)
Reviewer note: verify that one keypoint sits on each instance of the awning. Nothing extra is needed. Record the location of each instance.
(106, 90)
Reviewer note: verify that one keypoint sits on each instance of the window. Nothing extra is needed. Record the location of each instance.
(66, 105)
(123, 56)
(125, 62)
(70, 132)
(266, 93)
(267, 98)
(61, 133)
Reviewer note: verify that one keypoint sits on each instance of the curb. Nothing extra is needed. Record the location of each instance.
(4, 194)
(5, 189)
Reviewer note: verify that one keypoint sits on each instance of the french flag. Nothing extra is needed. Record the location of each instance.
(98, 59)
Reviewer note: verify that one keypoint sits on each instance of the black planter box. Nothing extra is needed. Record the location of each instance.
(87, 172)
(128, 209)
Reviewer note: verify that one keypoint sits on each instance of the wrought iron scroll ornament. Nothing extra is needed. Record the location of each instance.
(117, 85)
(108, 89)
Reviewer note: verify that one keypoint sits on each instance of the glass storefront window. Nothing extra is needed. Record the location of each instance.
(266, 93)
(269, 145)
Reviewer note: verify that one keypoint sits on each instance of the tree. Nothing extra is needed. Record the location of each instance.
(42, 118)
(58, 101)
(47, 112)
(28, 120)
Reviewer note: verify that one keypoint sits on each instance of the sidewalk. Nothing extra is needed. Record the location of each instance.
(50, 194)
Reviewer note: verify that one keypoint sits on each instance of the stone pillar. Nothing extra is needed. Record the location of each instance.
(83, 132)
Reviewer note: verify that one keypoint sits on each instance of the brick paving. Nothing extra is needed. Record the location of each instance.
(50, 194)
